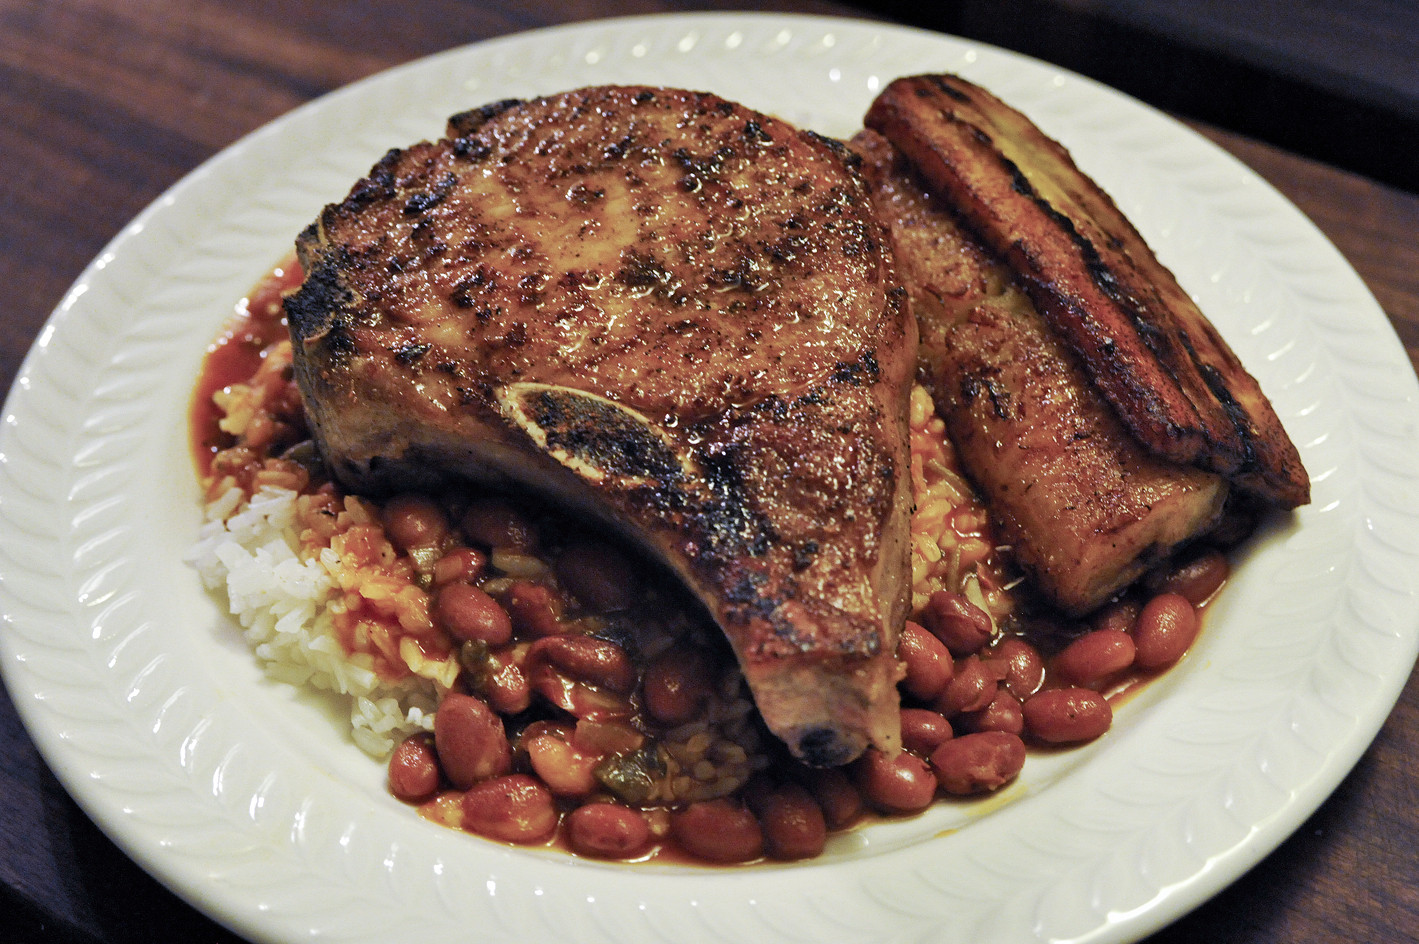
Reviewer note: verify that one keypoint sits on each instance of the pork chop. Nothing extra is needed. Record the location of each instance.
(676, 314)
(1085, 507)
(1162, 366)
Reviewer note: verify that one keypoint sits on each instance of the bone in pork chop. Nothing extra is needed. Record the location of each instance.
(674, 313)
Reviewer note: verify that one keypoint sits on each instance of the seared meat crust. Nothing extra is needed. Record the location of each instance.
(673, 312)
(1085, 507)
(1171, 377)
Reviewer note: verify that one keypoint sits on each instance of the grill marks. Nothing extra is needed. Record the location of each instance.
(713, 217)
(1144, 343)
(670, 310)
(1085, 508)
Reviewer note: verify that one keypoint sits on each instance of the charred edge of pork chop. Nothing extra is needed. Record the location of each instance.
(820, 674)
(786, 510)
(1085, 507)
(1154, 355)
(1087, 510)
(466, 123)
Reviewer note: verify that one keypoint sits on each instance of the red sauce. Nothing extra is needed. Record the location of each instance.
(259, 321)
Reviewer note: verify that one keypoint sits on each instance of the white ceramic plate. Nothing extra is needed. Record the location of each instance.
(247, 800)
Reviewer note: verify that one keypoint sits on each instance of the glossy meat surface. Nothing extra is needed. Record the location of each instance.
(1085, 507)
(671, 312)
(1161, 364)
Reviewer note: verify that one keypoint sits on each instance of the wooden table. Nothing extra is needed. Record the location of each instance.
(107, 102)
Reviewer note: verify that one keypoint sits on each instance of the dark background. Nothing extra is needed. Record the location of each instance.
(1335, 80)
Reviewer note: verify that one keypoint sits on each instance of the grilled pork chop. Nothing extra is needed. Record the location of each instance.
(1086, 508)
(1156, 358)
(674, 313)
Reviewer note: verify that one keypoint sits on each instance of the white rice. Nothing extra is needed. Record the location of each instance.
(283, 598)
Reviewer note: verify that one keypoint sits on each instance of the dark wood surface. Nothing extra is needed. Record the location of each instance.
(106, 103)
(1335, 80)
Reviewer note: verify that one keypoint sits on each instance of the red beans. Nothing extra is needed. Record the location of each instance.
(586, 659)
(1197, 579)
(719, 831)
(978, 763)
(971, 689)
(793, 823)
(1020, 664)
(469, 614)
(1067, 715)
(677, 685)
(1165, 630)
(515, 808)
(534, 609)
(566, 770)
(964, 627)
(607, 831)
(1002, 714)
(927, 661)
(470, 741)
(923, 730)
(578, 699)
(1095, 657)
(506, 687)
(598, 575)
(1119, 615)
(460, 563)
(413, 770)
(971, 701)
(496, 523)
(414, 521)
(606, 737)
(839, 800)
(902, 784)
